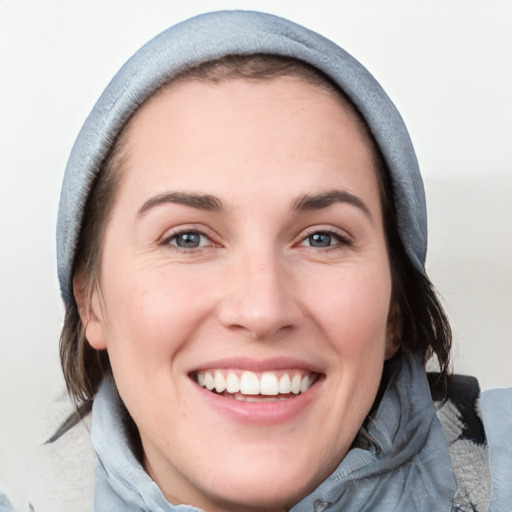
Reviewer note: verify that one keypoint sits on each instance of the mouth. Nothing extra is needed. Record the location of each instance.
(248, 386)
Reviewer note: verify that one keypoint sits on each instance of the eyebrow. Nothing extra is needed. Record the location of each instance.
(211, 203)
(326, 199)
(199, 201)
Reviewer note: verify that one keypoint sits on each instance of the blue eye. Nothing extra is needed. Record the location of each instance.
(188, 240)
(325, 239)
(320, 240)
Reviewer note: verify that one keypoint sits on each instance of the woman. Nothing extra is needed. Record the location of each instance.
(241, 240)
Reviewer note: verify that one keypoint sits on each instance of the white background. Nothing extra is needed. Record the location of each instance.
(446, 64)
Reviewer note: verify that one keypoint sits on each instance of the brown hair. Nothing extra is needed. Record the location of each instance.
(422, 326)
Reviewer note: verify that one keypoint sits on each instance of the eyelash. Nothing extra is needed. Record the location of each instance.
(168, 239)
(341, 240)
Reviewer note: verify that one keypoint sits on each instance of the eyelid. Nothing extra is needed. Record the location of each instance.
(344, 238)
(189, 228)
(322, 228)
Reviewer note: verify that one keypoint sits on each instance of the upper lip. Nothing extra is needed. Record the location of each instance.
(257, 365)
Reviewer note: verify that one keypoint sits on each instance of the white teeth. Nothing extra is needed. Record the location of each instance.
(269, 384)
(304, 384)
(296, 381)
(249, 384)
(285, 384)
(209, 383)
(220, 382)
(232, 383)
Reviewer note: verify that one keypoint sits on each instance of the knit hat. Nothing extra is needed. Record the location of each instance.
(209, 37)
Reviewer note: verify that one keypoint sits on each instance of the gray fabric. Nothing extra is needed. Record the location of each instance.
(468, 453)
(211, 36)
(399, 463)
(497, 418)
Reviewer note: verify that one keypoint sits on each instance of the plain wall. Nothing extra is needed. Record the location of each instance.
(447, 65)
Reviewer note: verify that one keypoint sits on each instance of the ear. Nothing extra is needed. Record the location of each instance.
(393, 331)
(91, 314)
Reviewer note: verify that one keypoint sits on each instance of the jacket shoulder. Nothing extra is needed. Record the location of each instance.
(457, 402)
(497, 420)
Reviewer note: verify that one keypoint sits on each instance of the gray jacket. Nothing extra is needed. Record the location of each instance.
(400, 461)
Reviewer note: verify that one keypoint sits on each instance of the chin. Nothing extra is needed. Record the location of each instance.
(256, 494)
(264, 485)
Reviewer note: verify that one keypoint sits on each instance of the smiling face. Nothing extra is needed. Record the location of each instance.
(245, 289)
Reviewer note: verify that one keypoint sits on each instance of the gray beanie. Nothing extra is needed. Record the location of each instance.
(209, 37)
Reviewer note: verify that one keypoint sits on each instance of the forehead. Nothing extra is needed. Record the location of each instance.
(188, 93)
(263, 129)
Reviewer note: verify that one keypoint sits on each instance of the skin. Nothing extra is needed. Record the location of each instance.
(257, 289)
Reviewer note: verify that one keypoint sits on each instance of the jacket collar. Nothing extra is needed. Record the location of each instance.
(399, 461)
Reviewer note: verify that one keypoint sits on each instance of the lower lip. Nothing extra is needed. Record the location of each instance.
(262, 413)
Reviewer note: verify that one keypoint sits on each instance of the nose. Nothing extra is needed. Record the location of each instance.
(259, 298)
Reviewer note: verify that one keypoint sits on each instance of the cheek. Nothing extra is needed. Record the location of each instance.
(153, 311)
(354, 311)
(148, 324)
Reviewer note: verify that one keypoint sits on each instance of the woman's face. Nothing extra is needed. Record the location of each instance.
(245, 250)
